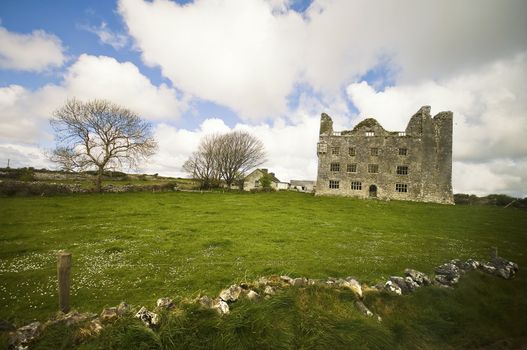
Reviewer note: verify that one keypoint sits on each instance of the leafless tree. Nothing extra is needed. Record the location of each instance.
(225, 157)
(203, 164)
(98, 135)
(238, 153)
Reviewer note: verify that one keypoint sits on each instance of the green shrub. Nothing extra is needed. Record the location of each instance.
(22, 188)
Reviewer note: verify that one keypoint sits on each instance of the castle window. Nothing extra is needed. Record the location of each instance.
(351, 151)
(322, 148)
(356, 185)
(351, 168)
(334, 167)
(334, 184)
(370, 133)
(374, 151)
(403, 151)
(335, 151)
(401, 133)
(401, 188)
(373, 168)
(402, 170)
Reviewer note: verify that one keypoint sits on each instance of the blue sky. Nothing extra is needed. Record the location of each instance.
(69, 20)
(271, 67)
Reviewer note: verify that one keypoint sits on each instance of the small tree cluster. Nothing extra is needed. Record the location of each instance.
(226, 157)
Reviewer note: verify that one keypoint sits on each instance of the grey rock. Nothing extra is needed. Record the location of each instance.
(360, 305)
(470, 264)
(448, 274)
(149, 318)
(448, 269)
(488, 268)
(352, 284)
(401, 283)
(221, 306)
(316, 282)
(262, 281)
(252, 295)
(418, 277)
(299, 282)
(231, 294)
(269, 290)
(411, 284)
(446, 280)
(25, 335)
(504, 273)
(393, 288)
(286, 279)
(93, 328)
(164, 303)
(504, 268)
(109, 314)
(205, 302)
(123, 308)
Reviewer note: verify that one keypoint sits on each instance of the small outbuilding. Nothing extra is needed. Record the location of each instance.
(303, 185)
(253, 180)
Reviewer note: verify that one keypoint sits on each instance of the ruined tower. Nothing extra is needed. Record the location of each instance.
(370, 162)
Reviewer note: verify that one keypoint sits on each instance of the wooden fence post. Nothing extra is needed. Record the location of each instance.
(63, 272)
(494, 252)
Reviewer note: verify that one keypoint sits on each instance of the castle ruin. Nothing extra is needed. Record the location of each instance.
(370, 162)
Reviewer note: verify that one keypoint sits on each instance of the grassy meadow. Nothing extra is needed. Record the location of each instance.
(138, 247)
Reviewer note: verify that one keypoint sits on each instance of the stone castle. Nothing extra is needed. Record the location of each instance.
(370, 162)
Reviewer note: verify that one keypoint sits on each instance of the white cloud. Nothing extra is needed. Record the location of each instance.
(25, 113)
(37, 51)
(291, 149)
(249, 54)
(498, 176)
(20, 156)
(107, 36)
(489, 107)
(121, 82)
(236, 53)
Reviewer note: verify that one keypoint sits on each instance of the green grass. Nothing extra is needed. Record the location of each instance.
(141, 246)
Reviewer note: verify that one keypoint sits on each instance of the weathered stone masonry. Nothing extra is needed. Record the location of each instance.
(369, 161)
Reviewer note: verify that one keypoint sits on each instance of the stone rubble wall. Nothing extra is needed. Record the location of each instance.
(447, 275)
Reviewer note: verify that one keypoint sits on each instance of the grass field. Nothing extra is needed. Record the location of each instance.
(140, 246)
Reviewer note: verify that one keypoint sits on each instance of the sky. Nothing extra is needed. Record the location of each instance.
(271, 67)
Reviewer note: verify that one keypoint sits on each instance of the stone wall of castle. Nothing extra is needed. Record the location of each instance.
(369, 161)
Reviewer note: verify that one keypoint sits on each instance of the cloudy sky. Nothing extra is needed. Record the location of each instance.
(271, 67)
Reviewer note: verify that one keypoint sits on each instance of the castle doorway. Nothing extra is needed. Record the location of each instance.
(373, 191)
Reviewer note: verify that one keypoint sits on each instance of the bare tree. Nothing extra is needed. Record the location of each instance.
(203, 164)
(238, 153)
(228, 157)
(98, 135)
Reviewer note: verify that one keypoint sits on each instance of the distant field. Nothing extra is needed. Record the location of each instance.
(140, 246)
